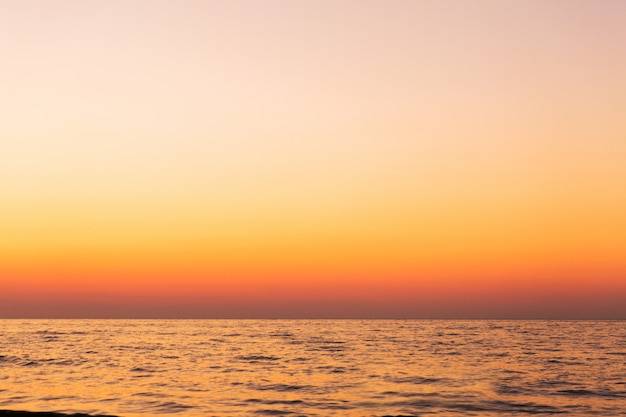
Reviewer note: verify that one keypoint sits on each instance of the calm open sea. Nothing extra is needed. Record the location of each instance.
(314, 368)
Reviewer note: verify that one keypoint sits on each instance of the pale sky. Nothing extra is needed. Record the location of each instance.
(307, 147)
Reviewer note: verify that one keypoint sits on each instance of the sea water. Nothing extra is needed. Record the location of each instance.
(314, 367)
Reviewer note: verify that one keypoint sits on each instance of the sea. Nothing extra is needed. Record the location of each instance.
(138, 368)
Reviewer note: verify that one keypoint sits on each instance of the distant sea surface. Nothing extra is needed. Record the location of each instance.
(314, 368)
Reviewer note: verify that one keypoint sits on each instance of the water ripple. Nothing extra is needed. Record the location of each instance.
(137, 368)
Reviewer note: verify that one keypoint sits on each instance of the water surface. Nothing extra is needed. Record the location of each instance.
(314, 368)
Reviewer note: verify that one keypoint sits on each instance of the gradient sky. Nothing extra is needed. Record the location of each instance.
(424, 159)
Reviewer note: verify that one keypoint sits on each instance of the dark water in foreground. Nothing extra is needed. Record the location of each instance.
(314, 368)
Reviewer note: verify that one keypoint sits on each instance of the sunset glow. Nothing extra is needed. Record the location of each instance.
(313, 159)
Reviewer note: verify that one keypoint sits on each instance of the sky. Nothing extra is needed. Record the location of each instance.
(313, 159)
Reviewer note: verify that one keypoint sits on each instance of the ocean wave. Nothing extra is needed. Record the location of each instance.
(374, 368)
(12, 413)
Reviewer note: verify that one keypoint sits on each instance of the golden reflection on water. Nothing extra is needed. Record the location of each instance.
(347, 367)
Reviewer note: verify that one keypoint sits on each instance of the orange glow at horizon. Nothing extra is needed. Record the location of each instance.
(268, 159)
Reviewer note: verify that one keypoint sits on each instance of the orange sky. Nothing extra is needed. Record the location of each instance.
(313, 159)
